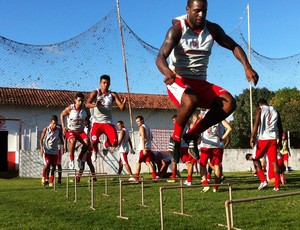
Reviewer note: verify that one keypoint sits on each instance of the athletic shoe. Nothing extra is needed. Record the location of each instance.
(46, 182)
(193, 148)
(262, 185)
(71, 165)
(205, 189)
(215, 190)
(59, 181)
(276, 189)
(187, 183)
(171, 181)
(50, 184)
(174, 150)
(131, 179)
(43, 181)
(80, 163)
(94, 156)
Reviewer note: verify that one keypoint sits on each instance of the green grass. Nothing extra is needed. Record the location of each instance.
(25, 204)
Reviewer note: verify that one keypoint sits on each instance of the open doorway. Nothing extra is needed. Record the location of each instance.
(3, 151)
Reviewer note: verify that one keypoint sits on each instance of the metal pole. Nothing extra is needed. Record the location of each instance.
(249, 58)
(126, 73)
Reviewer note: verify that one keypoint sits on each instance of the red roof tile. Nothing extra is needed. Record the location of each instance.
(61, 98)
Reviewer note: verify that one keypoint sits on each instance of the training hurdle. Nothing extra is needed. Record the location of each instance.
(182, 197)
(142, 191)
(229, 211)
(102, 175)
(61, 171)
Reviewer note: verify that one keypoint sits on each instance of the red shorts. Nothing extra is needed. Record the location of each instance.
(186, 157)
(285, 157)
(206, 91)
(214, 154)
(144, 158)
(108, 129)
(123, 158)
(270, 168)
(263, 147)
(50, 159)
(77, 135)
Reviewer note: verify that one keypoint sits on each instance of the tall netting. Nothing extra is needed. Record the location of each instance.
(77, 63)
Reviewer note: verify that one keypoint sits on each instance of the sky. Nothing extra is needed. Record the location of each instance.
(274, 23)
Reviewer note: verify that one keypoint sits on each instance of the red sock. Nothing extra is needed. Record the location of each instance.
(153, 175)
(173, 175)
(137, 176)
(71, 157)
(51, 178)
(277, 181)
(177, 132)
(205, 182)
(189, 178)
(261, 175)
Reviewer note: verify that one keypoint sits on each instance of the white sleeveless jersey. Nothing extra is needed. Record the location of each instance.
(124, 146)
(190, 56)
(268, 123)
(76, 119)
(102, 113)
(52, 141)
(211, 138)
(148, 139)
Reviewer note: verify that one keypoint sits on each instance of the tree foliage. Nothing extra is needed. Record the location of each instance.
(242, 118)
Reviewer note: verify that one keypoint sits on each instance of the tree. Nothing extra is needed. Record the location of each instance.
(286, 101)
(241, 118)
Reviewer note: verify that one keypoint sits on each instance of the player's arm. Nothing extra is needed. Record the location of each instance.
(119, 102)
(143, 139)
(280, 131)
(255, 127)
(171, 40)
(226, 135)
(227, 42)
(90, 101)
(64, 113)
(42, 141)
(61, 141)
(131, 146)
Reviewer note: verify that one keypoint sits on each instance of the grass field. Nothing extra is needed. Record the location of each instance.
(25, 204)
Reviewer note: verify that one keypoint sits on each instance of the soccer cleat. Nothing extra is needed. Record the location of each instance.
(174, 150)
(262, 185)
(171, 181)
(205, 189)
(131, 179)
(215, 190)
(94, 156)
(50, 184)
(187, 183)
(276, 189)
(193, 148)
(71, 164)
(46, 182)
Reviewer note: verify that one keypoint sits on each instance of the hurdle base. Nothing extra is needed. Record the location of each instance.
(123, 217)
(93, 208)
(182, 214)
(225, 226)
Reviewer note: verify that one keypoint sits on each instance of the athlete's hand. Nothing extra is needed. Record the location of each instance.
(251, 75)
(169, 80)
